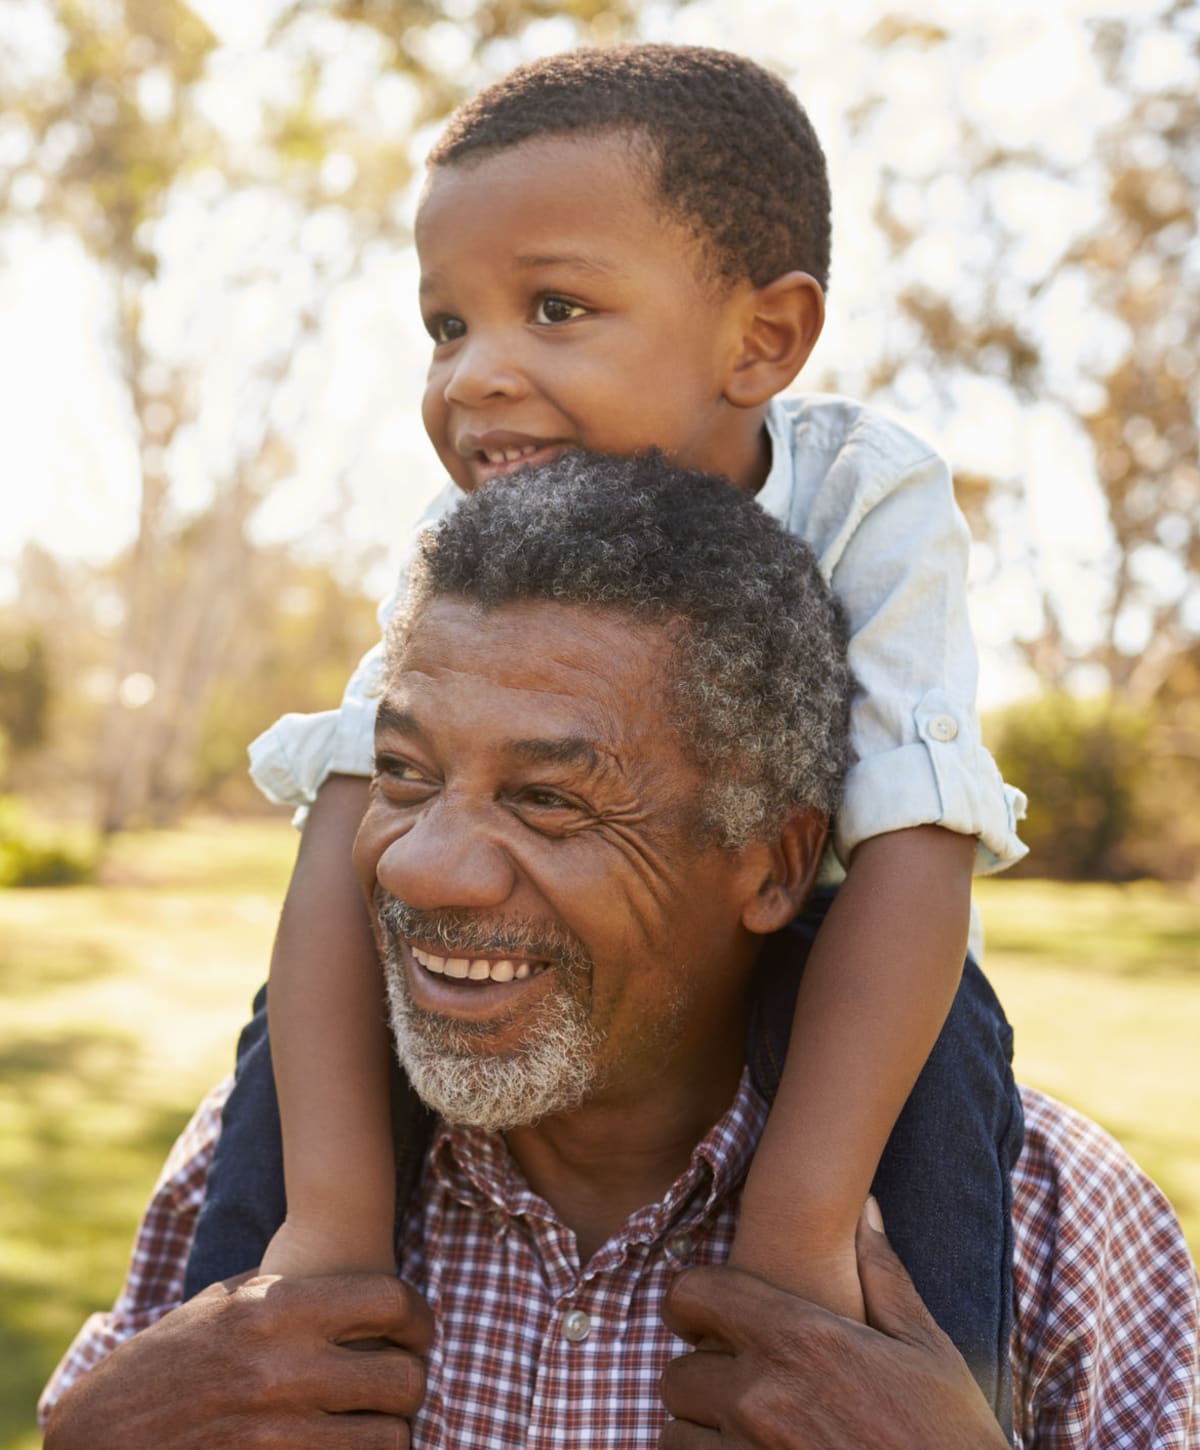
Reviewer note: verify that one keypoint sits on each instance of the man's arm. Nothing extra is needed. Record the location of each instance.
(796, 1376)
(259, 1363)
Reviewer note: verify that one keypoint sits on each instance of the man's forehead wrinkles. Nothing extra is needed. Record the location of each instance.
(399, 711)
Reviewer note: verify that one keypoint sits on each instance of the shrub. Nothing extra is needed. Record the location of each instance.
(33, 853)
(1082, 764)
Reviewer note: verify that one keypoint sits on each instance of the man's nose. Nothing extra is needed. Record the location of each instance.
(484, 368)
(447, 858)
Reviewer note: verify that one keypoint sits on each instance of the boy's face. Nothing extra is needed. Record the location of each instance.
(568, 309)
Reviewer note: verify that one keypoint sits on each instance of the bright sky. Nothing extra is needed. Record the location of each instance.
(350, 405)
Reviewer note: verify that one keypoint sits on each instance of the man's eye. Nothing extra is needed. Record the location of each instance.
(558, 309)
(445, 329)
(395, 769)
(546, 799)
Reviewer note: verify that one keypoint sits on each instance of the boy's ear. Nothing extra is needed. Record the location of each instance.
(787, 869)
(781, 324)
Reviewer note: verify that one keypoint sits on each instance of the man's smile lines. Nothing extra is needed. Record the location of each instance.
(477, 969)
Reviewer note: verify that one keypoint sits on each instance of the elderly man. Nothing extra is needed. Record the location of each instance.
(574, 849)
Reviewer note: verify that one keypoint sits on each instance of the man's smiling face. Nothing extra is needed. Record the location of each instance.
(554, 925)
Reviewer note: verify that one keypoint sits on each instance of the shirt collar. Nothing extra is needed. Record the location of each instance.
(775, 496)
(477, 1169)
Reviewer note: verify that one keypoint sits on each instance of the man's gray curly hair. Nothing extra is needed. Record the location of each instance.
(760, 689)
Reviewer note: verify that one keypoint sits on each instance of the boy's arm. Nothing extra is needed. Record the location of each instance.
(876, 989)
(330, 1052)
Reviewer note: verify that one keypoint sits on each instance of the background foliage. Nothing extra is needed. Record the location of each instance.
(1032, 292)
(1016, 268)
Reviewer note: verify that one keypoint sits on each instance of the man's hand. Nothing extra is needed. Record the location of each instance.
(799, 1378)
(260, 1362)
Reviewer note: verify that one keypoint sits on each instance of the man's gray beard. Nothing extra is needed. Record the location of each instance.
(554, 1068)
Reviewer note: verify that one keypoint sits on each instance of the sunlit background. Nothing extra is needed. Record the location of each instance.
(210, 448)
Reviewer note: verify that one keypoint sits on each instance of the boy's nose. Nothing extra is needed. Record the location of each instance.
(482, 370)
(446, 859)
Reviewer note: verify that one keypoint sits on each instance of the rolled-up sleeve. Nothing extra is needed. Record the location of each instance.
(291, 761)
(900, 565)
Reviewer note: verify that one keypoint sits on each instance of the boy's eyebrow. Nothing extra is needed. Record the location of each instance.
(535, 261)
(530, 261)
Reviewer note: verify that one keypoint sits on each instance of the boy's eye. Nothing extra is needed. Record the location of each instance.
(557, 309)
(445, 328)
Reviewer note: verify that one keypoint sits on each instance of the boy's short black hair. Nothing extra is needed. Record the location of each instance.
(737, 158)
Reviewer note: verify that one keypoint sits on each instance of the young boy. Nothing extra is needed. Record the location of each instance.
(623, 249)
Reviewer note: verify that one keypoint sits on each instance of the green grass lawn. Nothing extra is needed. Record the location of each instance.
(122, 1001)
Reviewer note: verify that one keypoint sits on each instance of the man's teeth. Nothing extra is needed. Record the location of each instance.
(477, 969)
(510, 455)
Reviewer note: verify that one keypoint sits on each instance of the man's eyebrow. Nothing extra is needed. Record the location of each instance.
(564, 750)
(403, 722)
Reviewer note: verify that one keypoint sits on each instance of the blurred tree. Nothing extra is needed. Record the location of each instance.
(127, 118)
(1082, 764)
(1102, 249)
(24, 690)
(1167, 845)
(114, 122)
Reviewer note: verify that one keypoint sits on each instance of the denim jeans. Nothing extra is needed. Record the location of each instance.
(944, 1181)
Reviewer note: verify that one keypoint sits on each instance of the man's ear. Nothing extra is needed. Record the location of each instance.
(789, 865)
(780, 327)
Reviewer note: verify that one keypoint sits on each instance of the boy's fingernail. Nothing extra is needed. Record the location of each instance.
(874, 1217)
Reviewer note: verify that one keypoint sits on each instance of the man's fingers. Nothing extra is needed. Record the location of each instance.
(726, 1304)
(351, 1432)
(893, 1305)
(385, 1381)
(346, 1307)
(695, 1385)
(680, 1435)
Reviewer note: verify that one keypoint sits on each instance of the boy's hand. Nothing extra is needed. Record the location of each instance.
(260, 1362)
(799, 1378)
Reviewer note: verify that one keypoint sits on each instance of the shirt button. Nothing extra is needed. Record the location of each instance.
(943, 728)
(680, 1245)
(576, 1326)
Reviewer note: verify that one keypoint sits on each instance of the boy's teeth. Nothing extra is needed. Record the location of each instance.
(510, 455)
(478, 969)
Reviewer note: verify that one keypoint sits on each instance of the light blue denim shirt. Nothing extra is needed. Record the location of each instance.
(876, 506)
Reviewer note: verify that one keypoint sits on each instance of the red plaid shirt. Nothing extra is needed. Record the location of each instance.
(532, 1351)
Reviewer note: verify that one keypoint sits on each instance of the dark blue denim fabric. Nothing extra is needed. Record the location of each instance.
(944, 1182)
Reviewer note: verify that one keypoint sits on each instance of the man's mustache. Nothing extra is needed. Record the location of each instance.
(459, 932)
